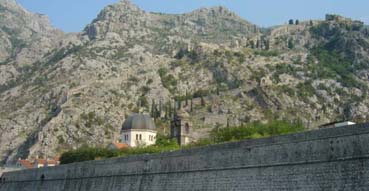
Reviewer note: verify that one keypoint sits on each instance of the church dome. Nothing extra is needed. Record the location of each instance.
(138, 121)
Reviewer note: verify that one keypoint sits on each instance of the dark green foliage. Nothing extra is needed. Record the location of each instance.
(163, 143)
(305, 90)
(168, 80)
(92, 119)
(201, 93)
(62, 53)
(86, 154)
(192, 55)
(291, 44)
(251, 130)
(290, 22)
(251, 44)
(133, 79)
(297, 22)
(287, 90)
(240, 56)
(258, 74)
(256, 130)
(142, 102)
(155, 110)
(333, 65)
(7, 86)
(346, 38)
(267, 53)
(267, 44)
(144, 90)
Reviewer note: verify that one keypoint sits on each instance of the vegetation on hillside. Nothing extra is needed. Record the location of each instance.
(163, 144)
(91, 153)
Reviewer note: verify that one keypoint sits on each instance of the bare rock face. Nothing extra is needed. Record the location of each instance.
(25, 38)
(61, 91)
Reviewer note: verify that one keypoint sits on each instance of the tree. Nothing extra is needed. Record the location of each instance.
(290, 22)
(191, 105)
(186, 98)
(290, 44)
(174, 109)
(160, 108)
(252, 44)
(267, 44)
(169, 106)
(153, 109)
(297, 22)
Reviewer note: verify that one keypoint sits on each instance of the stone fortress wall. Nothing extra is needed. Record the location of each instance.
(327, 159)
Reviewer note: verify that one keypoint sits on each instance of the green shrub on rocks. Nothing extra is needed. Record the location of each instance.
(255, 130)
(89, 153)
(86, 154)
(252, 130)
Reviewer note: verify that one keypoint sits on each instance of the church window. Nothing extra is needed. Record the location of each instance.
(136, 136)
(140, 137)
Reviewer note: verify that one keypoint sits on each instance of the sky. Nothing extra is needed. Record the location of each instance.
(74, 15)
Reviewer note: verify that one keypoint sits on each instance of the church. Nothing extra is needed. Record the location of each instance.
(138, 130)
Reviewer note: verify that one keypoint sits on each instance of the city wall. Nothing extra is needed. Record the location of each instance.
(327, 159)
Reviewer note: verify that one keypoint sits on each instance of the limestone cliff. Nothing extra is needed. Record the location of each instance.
(61, 91)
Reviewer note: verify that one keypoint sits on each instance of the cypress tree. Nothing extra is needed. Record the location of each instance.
(153, 109)
(174, 109)
(191, 106)
(252, 44)
(170, 110)
(290, 44)
(186, 98)
(267, 44)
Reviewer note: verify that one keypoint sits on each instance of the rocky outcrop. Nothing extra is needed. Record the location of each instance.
(61, 91)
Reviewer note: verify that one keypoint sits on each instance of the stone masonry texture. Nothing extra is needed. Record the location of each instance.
(327, 159)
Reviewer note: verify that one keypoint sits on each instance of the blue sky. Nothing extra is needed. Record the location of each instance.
(74, 15)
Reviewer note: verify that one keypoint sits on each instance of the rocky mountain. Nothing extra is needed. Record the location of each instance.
(24, 38)
(61, 91)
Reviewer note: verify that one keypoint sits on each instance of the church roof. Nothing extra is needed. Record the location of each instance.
(138, 121)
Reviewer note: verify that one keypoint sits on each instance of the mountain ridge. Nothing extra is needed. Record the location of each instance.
(80, 87)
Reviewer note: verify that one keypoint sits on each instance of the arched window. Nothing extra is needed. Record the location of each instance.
(140, 136)
(137, 137)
